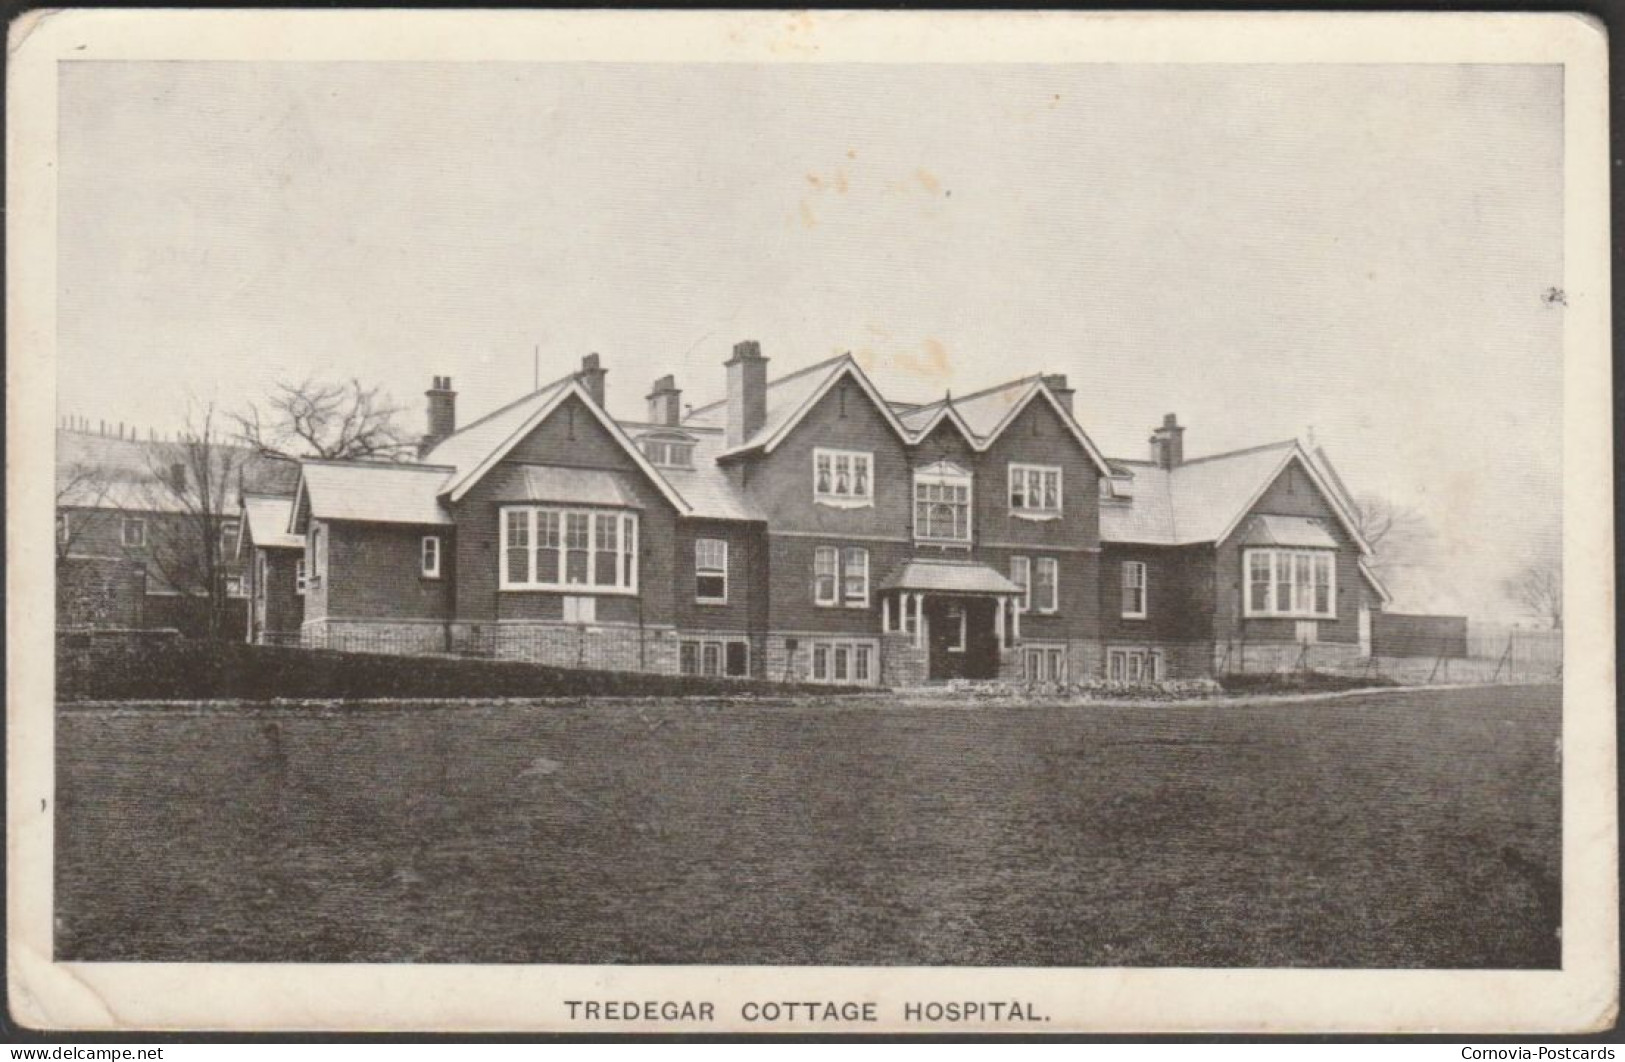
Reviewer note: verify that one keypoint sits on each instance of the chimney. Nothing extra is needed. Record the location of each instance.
(592, 378)
(1168, 443)
(1056, 382)
(666, 402)
(747, 392)
(442, 414)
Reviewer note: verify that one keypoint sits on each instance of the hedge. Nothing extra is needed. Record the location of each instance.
(197, 670)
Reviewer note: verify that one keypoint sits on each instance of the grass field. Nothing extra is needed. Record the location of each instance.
(1413, 828)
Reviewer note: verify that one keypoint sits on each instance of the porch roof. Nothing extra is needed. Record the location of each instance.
(1300, 531)
(948, 577)
(581, 486)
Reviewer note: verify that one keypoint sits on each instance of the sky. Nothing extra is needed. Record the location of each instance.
(1359, 252)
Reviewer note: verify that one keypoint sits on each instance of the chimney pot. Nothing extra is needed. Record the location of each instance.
(747, 392)
(442, 414)
(592, 378)
(1168, 443)
(1056, 382)
(665, 402)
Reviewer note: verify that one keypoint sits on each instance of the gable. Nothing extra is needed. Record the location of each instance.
(847, 385)
(569, 429)
(1297, 490)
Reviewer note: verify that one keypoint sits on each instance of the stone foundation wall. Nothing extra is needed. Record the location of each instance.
(1262, 658)
(901, 664)
(588, 646)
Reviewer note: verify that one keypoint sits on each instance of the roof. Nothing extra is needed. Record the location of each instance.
(112, 472)
(1199, 501)
(708, 487)
(799, 392)
(267, 517)
(1300, 532)
(577, 486)
(498, 434)
(375, 491)
(948, 577)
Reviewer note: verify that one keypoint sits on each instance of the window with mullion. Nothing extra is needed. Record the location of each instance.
(568, 549)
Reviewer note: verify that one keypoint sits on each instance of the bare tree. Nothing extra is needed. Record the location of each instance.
(1539, 588)
(81, 493)
(187, 494)
(324, 419)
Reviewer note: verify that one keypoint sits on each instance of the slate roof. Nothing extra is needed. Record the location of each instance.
(376, 491)
(469, 445)
(102, 471)
(1294, 531)
(267, 520)
(551, 483)
(1194, 502)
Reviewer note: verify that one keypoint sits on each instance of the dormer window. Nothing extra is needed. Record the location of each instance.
(843, 479)
(668, 451)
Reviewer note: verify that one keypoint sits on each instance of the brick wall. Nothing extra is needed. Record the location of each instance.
(375, 570)
(99, 592)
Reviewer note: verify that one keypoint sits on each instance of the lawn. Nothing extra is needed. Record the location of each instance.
(1396, 829)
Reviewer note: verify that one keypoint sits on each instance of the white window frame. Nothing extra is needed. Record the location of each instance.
(136, 524)
(625, 549)
(429, 556)
(300, 583)
(854, 460)
(1275, 556)
(1021, 573)
(1147, 665)
(853, 557)
(1025, 475)
(663, 450)
(241, 591)
(840, 658)
(712, 566)
(699, 645)
(63, 533)
(834, 574)
(229, 527)
(1051, 662)
(1054, 568)
(318, 550)
(944, 474)
(1142, 585)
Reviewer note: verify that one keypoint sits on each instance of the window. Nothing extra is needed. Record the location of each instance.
(261, 568)
(942, 503)
(1133, 590)
(669, 453)
(714, 656)
(710, 570)
(578, 609)
(843, 661)
(956, 629)
(1134, 665)
(826, 569)
(299, 581)
(855, 577)
(1046, 584)
(431, 556)
(62, 528)
(1021, 573)
(318, 549)
(228, 536)
(558, 549)
(234, 586)
(1035, 490)
(841, 576)
(1044, 663)
(843, 478)
(134, 531)
(1291, 582)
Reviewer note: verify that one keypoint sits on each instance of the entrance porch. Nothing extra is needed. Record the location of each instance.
(960, 616)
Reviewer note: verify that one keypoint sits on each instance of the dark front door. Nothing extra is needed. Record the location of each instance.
(960, 638)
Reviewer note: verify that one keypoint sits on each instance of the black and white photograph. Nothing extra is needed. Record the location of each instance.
(910, 525)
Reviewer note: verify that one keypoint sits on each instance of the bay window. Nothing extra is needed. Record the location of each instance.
(546, 548)
(942, 503)
(1035, 490)
(1291, 582)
